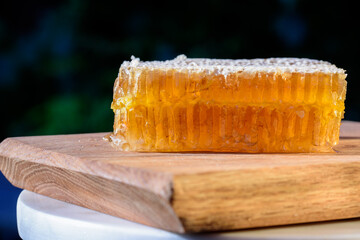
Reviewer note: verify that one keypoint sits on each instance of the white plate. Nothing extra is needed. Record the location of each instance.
(43, 218)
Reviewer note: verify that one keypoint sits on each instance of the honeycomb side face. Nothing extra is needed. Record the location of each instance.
(172, 110)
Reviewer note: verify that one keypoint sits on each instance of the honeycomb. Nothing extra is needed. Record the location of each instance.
(213, 105)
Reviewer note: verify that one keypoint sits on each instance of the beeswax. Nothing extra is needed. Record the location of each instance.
(213, 105)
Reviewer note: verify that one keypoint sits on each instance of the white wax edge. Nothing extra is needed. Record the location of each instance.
(227, 66)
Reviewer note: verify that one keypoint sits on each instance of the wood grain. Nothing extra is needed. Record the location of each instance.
(190, 192)
(101, 194)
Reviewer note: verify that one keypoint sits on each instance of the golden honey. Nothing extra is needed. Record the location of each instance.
(212, 105)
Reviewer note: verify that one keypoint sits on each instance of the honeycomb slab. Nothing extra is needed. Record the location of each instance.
(221, 105)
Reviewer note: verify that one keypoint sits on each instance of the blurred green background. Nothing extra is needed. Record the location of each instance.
(59, 59)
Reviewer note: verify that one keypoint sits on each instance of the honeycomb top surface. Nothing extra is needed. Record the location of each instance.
(227, 66)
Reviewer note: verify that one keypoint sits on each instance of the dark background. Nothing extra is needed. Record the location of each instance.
(59, 59)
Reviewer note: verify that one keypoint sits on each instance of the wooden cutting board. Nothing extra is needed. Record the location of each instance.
(190, 192)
